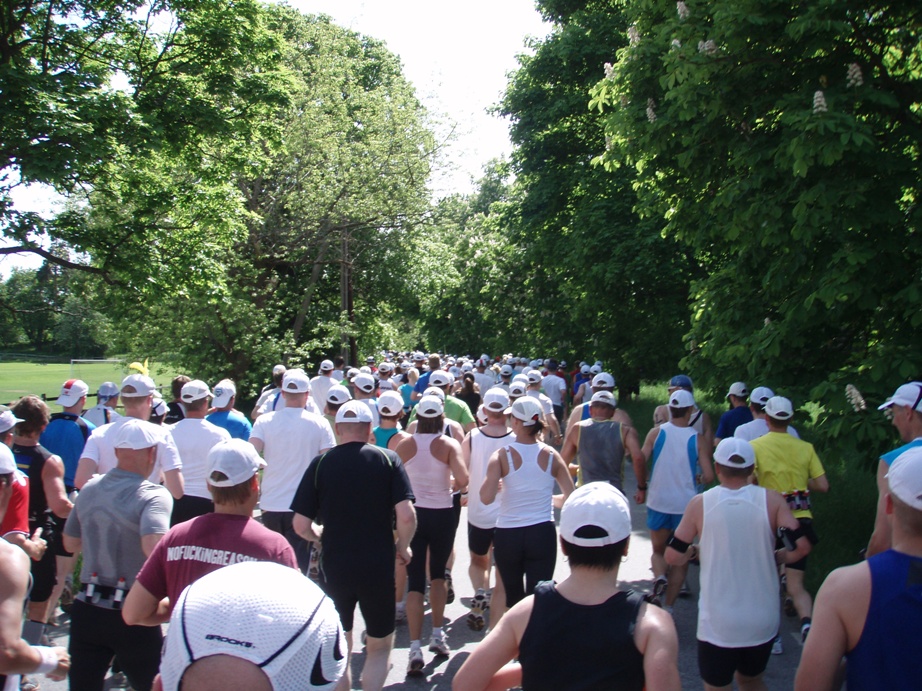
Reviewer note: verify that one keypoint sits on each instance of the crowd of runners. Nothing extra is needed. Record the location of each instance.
(193, 512)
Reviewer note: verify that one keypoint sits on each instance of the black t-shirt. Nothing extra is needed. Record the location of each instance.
(351, 490)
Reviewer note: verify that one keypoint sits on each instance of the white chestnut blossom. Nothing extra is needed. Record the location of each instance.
(682, 9)
(855, 398)
(819, 103)
(676, 44)
(633, 36)
(651, 110)
(707, 47)
(609, 70)
(854, 78)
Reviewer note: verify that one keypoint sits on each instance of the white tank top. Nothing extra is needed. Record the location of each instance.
(738, 607)
(527, 491)
(672, 479)
(479, 514)
(430, 478)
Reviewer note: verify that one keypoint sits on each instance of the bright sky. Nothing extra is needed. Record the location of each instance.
(457, 55)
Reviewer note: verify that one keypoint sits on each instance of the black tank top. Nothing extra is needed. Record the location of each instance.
(595, 641)
(31, 461)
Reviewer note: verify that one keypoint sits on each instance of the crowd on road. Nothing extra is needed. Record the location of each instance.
(256, 536)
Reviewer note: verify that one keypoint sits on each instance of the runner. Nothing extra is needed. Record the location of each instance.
(675, 451)
(584, 632)
(476, 449)
(739, 413)
(602, 381)
(430, 459)
(355, 491)
(104, 411)
(525, 540)
(224, 415)
(759, 427)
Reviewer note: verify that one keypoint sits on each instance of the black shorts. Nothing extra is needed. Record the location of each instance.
(44, 571)
(479, 540)
(806, 525)
(435, 532)
(370, 587)
(456, 507)
(717, 665)
(56, 543)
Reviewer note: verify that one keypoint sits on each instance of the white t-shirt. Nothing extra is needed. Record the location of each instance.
(546, 404)
(98, 414)
(194, 439)
(555, 387)
(100, 448)
(485, 381)
(758, 428)
(291, 438)
(320, 386)
(277, 402)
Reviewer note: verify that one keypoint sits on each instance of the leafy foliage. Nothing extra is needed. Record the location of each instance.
(780, 142)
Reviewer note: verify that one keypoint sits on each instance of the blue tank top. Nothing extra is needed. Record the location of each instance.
(887, 655)
(383, 436)
(597, 640)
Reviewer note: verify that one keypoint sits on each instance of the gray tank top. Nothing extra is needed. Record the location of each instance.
(601, 452)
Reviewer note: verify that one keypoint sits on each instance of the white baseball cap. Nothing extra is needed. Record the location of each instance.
(158, 407)
(779, 408)
(505, 370)
(354, 411)
(595, 515)
(534, 377)
(496, 399)
(8, 421)
(604, 398)
(296, 381)
(326, 366)
(760, 395)
(440, 378)
(236, 458)
(909, 395)
(72, 391)
(527, 409)
(262, 612)
(680, 398)
(364, 382)
(435, 391)
(905, 477)
(734, 452)
(603, 380)
(482, 415)
(737, 389)
(137, 434)
(142, 384)
(429, 406)
(390, 403)
(107, 390)
(338, 394)
(517, 389)
(224, 391)
(194, 390)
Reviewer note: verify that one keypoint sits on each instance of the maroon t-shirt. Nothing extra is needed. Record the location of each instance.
(204, 544)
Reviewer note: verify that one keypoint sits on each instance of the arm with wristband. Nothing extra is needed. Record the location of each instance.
(17, 656)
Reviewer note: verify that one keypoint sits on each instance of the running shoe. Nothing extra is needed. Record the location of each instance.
(439, 646)
(777, 649)
(451, 591)
(659, 589)
(789, 608)
(476, 620)
(416, 663)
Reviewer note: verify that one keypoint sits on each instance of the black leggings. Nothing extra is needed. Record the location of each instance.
(529, 553)
(435, 532)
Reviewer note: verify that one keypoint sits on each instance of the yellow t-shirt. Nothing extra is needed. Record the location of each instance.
(786, 464)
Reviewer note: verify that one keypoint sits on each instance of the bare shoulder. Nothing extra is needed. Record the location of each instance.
(14, 567)
(655, 630)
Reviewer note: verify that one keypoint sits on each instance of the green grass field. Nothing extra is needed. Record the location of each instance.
(20, 378)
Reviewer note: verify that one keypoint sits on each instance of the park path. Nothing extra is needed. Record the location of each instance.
(634, 573)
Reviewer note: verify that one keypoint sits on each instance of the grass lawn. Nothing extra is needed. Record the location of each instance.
(20, 378)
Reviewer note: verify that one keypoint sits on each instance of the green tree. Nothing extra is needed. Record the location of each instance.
(780, 142)
(603, 282)
(320, 256)
(139, 112)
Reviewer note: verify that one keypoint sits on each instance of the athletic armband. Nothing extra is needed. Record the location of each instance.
(49, 661)
(789, 537)
(678, 545)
